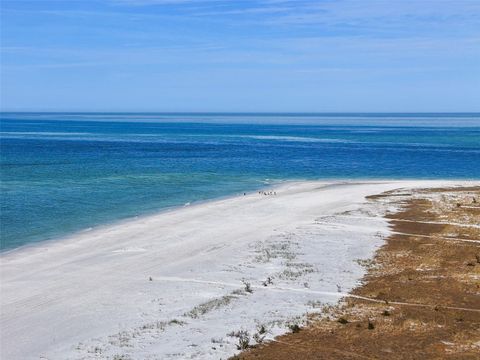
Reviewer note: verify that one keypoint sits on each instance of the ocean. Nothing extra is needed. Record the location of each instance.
(68, 172)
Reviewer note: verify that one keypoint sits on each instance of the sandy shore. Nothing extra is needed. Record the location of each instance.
(180, 283)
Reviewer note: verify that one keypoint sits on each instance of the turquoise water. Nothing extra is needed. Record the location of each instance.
(62, 173)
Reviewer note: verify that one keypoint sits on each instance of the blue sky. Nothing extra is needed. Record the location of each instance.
(251, 55)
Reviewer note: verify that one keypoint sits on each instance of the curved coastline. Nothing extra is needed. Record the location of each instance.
(274, 185)
(146, 280)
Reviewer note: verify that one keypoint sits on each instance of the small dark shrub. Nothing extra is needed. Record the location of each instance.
(243, 340)
(248, 286)
(294, 328)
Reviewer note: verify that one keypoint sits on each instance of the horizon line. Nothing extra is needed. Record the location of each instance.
(233, 113)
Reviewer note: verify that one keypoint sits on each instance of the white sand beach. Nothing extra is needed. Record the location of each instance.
(172, 285)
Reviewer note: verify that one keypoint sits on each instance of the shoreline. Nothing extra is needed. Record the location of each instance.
(271, 187)
(131, 219)
(181, 275)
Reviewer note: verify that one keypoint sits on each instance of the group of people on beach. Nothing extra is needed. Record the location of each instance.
(264, 193)
(267, 192)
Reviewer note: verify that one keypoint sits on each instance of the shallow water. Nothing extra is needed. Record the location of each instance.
(68, 172)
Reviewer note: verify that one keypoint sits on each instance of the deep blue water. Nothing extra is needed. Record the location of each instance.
(62, 173)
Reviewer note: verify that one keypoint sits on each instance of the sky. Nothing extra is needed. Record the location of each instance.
(240, 56)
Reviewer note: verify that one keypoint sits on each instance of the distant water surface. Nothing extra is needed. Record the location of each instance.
(62, 173)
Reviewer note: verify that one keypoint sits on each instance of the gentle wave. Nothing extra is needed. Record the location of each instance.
(44, 133)
(293, 138)
(191, 139)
